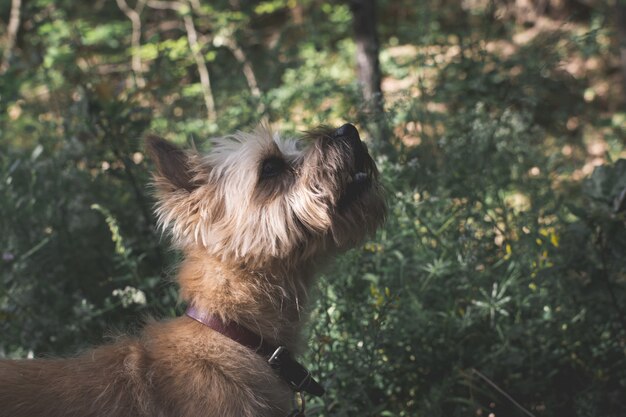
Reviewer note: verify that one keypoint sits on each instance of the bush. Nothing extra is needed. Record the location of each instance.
(497, 284)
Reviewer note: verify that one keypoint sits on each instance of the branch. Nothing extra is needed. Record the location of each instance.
(195, 5)
(164, 5)
(605, 273)
(14, 25)
(205, 81)
(248, 71)
(194, 46)
(621, 37)
(135, 18)
(501, 391)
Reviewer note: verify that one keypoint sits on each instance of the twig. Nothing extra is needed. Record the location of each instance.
(205, 81)
(14, 25)
(134, 15)
(248, 71)
(130, 177)
(605, 274)
(195, 5)
(194, 46)
(164, 5)
(501, 391)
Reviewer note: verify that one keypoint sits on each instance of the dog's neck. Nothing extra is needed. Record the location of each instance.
(271, 302)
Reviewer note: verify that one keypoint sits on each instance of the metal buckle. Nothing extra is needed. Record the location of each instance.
(274, 360)
(295, 374)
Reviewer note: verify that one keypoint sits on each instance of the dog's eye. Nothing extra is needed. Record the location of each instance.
(272, 167)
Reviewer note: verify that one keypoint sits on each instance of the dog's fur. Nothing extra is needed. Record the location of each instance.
(254, 218)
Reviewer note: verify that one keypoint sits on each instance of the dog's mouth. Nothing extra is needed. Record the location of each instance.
(360, 175)
(361, 183)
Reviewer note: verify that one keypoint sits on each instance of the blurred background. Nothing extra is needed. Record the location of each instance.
(497, 286)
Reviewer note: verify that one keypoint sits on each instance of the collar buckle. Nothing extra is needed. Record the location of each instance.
(290, 370)
(293, 372)
(275, 358)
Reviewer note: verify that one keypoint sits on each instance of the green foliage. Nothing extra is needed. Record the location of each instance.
(498, 282)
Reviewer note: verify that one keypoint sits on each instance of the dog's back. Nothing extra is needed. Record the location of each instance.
(103, 379)
(176, 368)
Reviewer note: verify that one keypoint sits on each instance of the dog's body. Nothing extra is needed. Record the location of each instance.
(254, 219)
(177, 368)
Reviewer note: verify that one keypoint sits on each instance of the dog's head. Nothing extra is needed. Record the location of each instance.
(258, 198)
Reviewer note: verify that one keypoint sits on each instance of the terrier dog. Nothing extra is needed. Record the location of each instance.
(254, 218)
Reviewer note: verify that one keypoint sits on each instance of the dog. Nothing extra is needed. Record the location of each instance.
(254, 218)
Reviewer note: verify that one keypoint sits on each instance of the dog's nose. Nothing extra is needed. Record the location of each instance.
(347, 131)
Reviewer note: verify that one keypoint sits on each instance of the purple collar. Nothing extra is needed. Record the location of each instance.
(279, 358)
(234, 331)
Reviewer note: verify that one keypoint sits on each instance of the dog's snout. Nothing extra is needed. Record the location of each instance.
(348, 134)
(347, 131)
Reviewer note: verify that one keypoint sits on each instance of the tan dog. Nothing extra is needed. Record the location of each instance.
(254, 217)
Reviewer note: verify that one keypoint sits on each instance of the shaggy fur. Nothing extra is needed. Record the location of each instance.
(254, 218)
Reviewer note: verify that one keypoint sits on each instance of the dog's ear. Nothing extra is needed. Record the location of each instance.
(174, 165)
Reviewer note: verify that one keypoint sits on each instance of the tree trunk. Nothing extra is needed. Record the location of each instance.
(368, 66)
(13, 26)
(621, 38)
